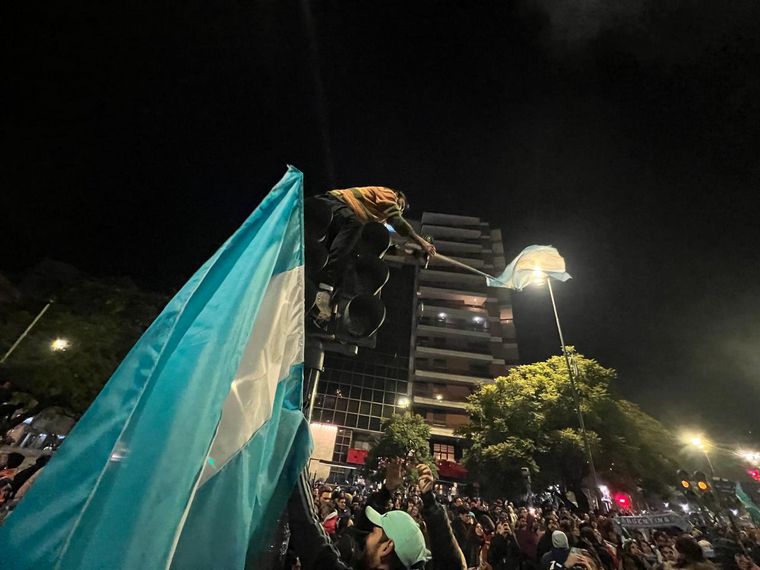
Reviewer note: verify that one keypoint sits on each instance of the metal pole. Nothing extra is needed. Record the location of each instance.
(576, 398)
(709, 463)
(23, 334)
(313, 380)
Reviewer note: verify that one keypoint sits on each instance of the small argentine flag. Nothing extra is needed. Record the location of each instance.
(535, 261)
(187, 457)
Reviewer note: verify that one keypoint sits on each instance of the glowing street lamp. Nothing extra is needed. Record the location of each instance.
(700, 443)
(749, 456)
(697, 442)
(59, 345)
(403, 402)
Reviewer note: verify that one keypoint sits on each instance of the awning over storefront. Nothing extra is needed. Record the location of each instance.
(450, 470)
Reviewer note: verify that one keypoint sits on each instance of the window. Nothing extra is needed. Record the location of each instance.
(439, 417)
(443, 451)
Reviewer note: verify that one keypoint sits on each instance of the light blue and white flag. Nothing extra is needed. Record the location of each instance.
(189, 453)
(532, 263)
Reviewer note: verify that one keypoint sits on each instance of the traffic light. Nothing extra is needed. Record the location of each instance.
(360, 309)
(623, 501)
(754, 472)
(702, 483)
(684, 480)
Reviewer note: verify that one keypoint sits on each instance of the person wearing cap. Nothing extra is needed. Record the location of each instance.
(557, 555)
(394, 543)
(367, 541)
(352, 208)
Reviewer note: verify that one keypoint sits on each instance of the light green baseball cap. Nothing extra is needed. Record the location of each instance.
(408, 542)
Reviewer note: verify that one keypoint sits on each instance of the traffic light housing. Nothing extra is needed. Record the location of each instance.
(684, 481)
(703, 485)
(360, 309)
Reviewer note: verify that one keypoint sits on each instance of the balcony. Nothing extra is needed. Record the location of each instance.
(433, 376)
(441, 404)
(445, 246)
(468, 313)
(449, 219)
(443, 431)
(454, 233)
(444, 294)
(443, 331)
(475, 262)
(452, 280)
(433, 352)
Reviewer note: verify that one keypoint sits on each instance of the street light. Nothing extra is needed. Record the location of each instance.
(749, 456)
(403, 402)
(697, 442)
(59, 345)
(700, 443)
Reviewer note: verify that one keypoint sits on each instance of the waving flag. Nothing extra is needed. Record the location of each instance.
(535, 261)
(186, 458)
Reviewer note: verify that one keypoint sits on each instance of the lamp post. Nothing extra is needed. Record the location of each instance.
(572, 372)
(698, 442)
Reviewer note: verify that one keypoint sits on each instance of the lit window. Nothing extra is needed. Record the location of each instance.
(443, 451)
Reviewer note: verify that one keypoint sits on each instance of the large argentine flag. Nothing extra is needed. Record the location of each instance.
(190, 451)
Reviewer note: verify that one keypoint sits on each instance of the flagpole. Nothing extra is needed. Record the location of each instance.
(576, 397)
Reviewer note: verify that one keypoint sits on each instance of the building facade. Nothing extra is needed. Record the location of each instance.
(445, 333)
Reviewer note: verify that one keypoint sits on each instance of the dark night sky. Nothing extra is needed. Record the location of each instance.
(627, 134)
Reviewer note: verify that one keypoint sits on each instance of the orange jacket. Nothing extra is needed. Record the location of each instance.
(374, 204)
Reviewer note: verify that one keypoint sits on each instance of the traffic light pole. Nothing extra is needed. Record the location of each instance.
(312, 380)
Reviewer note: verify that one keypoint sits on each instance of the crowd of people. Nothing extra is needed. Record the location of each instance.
(16, 479)
(498, 535)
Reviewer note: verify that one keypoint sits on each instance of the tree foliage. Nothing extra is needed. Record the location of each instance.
(404, 435)
(101, 318)
(528, 419)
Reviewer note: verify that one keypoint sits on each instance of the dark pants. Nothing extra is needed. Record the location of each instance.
(345, 231)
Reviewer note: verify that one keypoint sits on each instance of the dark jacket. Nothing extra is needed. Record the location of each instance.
(504, 553)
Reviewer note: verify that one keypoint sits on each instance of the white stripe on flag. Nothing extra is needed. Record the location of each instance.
(275, 346)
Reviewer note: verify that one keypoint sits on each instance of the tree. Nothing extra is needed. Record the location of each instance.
(528, 419)
(101, 318)
(404, 435)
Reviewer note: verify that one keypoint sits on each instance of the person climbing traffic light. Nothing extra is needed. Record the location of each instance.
(351, 209)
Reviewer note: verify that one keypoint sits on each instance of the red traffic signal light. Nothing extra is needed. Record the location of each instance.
(754, 473)
(623, 500)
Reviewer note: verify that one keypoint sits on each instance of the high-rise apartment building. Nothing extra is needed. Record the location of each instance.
(445, 334)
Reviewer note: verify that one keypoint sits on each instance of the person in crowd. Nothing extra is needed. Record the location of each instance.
(545, 542)
(633, 556)
(352, 208)
(556, 556)
(568, 526)
(526, 532)
(691, 555)
(504, 552)
(669, 557)
(591, 541)
(461, 526)
(473, 544)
